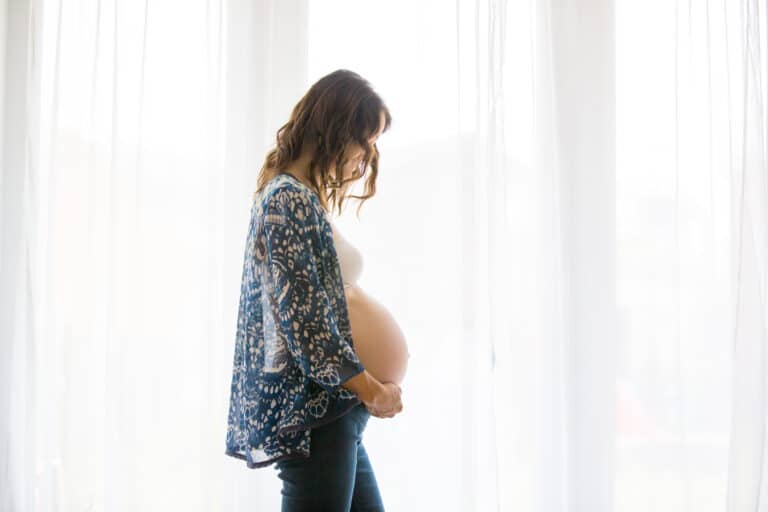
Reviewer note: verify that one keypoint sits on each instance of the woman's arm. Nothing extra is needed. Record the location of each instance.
(298, 302)
(365, 386)
(381, 400)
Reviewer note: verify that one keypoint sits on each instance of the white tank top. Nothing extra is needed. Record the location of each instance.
(350, 259)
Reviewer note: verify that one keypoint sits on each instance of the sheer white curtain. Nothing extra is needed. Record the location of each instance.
(112, 178)
(570, 225)
(691, 227)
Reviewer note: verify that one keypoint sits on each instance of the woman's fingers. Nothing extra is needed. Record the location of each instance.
(380, 414)
(389, 413)
(385, 414)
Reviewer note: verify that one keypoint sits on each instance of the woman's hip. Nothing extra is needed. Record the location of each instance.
(326, 479)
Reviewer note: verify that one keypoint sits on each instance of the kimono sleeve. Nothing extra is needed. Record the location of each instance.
(300, 305)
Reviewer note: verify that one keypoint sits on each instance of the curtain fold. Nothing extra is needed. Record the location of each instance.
(748, 165)
(20, 142)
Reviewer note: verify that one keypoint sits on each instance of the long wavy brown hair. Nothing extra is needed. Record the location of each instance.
(339, 109)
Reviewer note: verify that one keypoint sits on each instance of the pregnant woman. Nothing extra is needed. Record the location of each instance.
(314, 355)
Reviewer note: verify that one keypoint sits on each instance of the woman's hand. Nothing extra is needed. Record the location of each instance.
(387, 403)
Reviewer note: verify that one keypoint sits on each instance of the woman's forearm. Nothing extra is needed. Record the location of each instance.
(365, 386)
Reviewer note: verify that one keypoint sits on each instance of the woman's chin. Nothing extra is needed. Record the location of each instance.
(378, 340)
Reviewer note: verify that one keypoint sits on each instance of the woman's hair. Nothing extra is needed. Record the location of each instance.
(339, 109)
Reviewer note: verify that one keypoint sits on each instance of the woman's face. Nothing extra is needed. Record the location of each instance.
(355, 153)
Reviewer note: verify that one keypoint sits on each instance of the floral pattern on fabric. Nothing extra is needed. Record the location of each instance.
(293, 347)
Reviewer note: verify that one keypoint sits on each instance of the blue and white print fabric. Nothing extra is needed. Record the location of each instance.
(293, 347)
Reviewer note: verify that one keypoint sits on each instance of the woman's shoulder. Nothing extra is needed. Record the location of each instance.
(284, 190)
(287, 194)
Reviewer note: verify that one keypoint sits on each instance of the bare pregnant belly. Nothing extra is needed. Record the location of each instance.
(377, 339)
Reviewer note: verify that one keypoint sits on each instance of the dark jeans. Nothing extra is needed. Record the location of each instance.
(337, 477)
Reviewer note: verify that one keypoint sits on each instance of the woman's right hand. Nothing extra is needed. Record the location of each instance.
(387, 402)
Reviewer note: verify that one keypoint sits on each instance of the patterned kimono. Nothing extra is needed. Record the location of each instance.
(293, 347)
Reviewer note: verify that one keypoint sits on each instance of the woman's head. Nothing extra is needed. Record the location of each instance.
(333, 130)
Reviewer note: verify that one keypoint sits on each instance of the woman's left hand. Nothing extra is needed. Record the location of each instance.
(384, 414)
